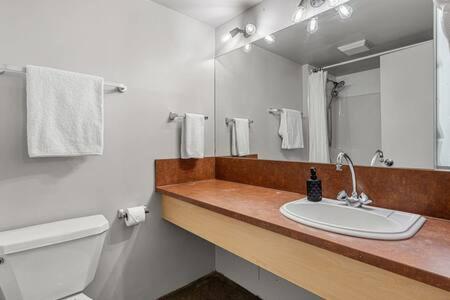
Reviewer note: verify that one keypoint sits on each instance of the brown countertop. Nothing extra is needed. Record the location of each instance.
(424, 257)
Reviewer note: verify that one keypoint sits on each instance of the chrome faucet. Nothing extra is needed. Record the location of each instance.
(379, 157)
(354, 200)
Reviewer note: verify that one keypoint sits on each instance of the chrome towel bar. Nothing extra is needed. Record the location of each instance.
(173, 116)
(228, 121)
(15, 69)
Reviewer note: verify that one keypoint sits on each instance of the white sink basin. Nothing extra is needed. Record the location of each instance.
(366, 222)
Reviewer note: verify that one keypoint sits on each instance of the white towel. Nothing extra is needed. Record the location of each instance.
(291, 129)
(193, 136)
(64, 113)
(240, 137)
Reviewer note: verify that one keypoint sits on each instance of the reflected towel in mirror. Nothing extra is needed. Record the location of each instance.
(291, 129)
(240, 137)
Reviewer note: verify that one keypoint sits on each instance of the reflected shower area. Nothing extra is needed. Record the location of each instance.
(351, 85)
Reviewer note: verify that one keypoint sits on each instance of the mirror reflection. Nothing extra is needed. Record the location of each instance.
(359, 81)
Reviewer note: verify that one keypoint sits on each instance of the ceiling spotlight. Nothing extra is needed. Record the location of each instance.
(345, 11)
(313, 25)
(270, 39)
(248, 48)
(248, 31)
(299, 12)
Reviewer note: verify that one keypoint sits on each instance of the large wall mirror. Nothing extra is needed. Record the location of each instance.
(362, 84)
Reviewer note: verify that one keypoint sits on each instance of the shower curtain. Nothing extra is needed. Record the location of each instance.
(317, 111)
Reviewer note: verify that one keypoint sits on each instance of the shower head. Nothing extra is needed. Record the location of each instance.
(339, 85)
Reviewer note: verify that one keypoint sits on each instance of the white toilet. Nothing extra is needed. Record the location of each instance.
(51, 261)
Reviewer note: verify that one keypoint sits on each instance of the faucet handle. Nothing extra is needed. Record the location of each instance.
(364, 199)
(342, 196)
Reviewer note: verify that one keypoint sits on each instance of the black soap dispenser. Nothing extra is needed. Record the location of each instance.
(314, 187)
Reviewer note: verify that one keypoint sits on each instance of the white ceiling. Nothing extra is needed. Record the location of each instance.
(212, 12)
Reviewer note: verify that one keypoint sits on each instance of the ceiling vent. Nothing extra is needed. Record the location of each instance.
(355, 48)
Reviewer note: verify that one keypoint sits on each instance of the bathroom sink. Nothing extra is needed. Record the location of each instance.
(365, 222)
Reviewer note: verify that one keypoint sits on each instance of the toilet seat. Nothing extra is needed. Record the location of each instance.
(79, 296)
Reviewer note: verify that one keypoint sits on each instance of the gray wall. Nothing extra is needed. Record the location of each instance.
(407, 110)
(247, 84)
(358, 104)
(166, 59)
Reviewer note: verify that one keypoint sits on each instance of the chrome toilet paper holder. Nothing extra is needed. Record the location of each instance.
(121, 213)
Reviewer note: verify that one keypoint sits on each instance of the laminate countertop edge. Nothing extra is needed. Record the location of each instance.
(322, 239)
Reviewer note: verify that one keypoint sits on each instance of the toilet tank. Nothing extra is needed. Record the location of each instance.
(50, 261)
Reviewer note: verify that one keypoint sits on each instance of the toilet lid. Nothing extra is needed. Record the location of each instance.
(80, 296)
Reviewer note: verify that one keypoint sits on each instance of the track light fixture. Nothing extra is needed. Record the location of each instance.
(345, 11)
(248, 31)
(334, 3)
(313, 25)
(317, 3)
(299, 12)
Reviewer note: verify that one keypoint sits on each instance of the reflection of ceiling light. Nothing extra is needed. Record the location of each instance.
(248, 48)
(345, 11)
(334, 3)
(317, 3)
(313, 25)
(226, 37)
(248, 31)
(299, 12)
(270, 39)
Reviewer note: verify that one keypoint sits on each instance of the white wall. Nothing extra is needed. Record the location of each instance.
(247, 84)
(407, 109)
(357, 117)
(145, 46)
(259, 281)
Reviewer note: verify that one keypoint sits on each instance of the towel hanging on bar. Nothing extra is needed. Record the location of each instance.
(228, 121)
(15, 69)
(278, 111)
(173, 116)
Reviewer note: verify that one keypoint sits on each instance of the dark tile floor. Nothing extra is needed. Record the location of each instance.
(214, 286)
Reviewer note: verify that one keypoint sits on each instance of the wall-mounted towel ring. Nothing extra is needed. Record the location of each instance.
(173, 116)
(228, 121)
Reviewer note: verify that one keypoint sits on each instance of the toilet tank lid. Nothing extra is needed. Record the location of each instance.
(32, 237)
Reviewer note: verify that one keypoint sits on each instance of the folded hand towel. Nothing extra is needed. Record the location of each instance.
(193, 136)
(64, 113)
(240, 137)
(291, 129)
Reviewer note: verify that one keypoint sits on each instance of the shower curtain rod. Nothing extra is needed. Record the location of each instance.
(367, 57)
(15, 69)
